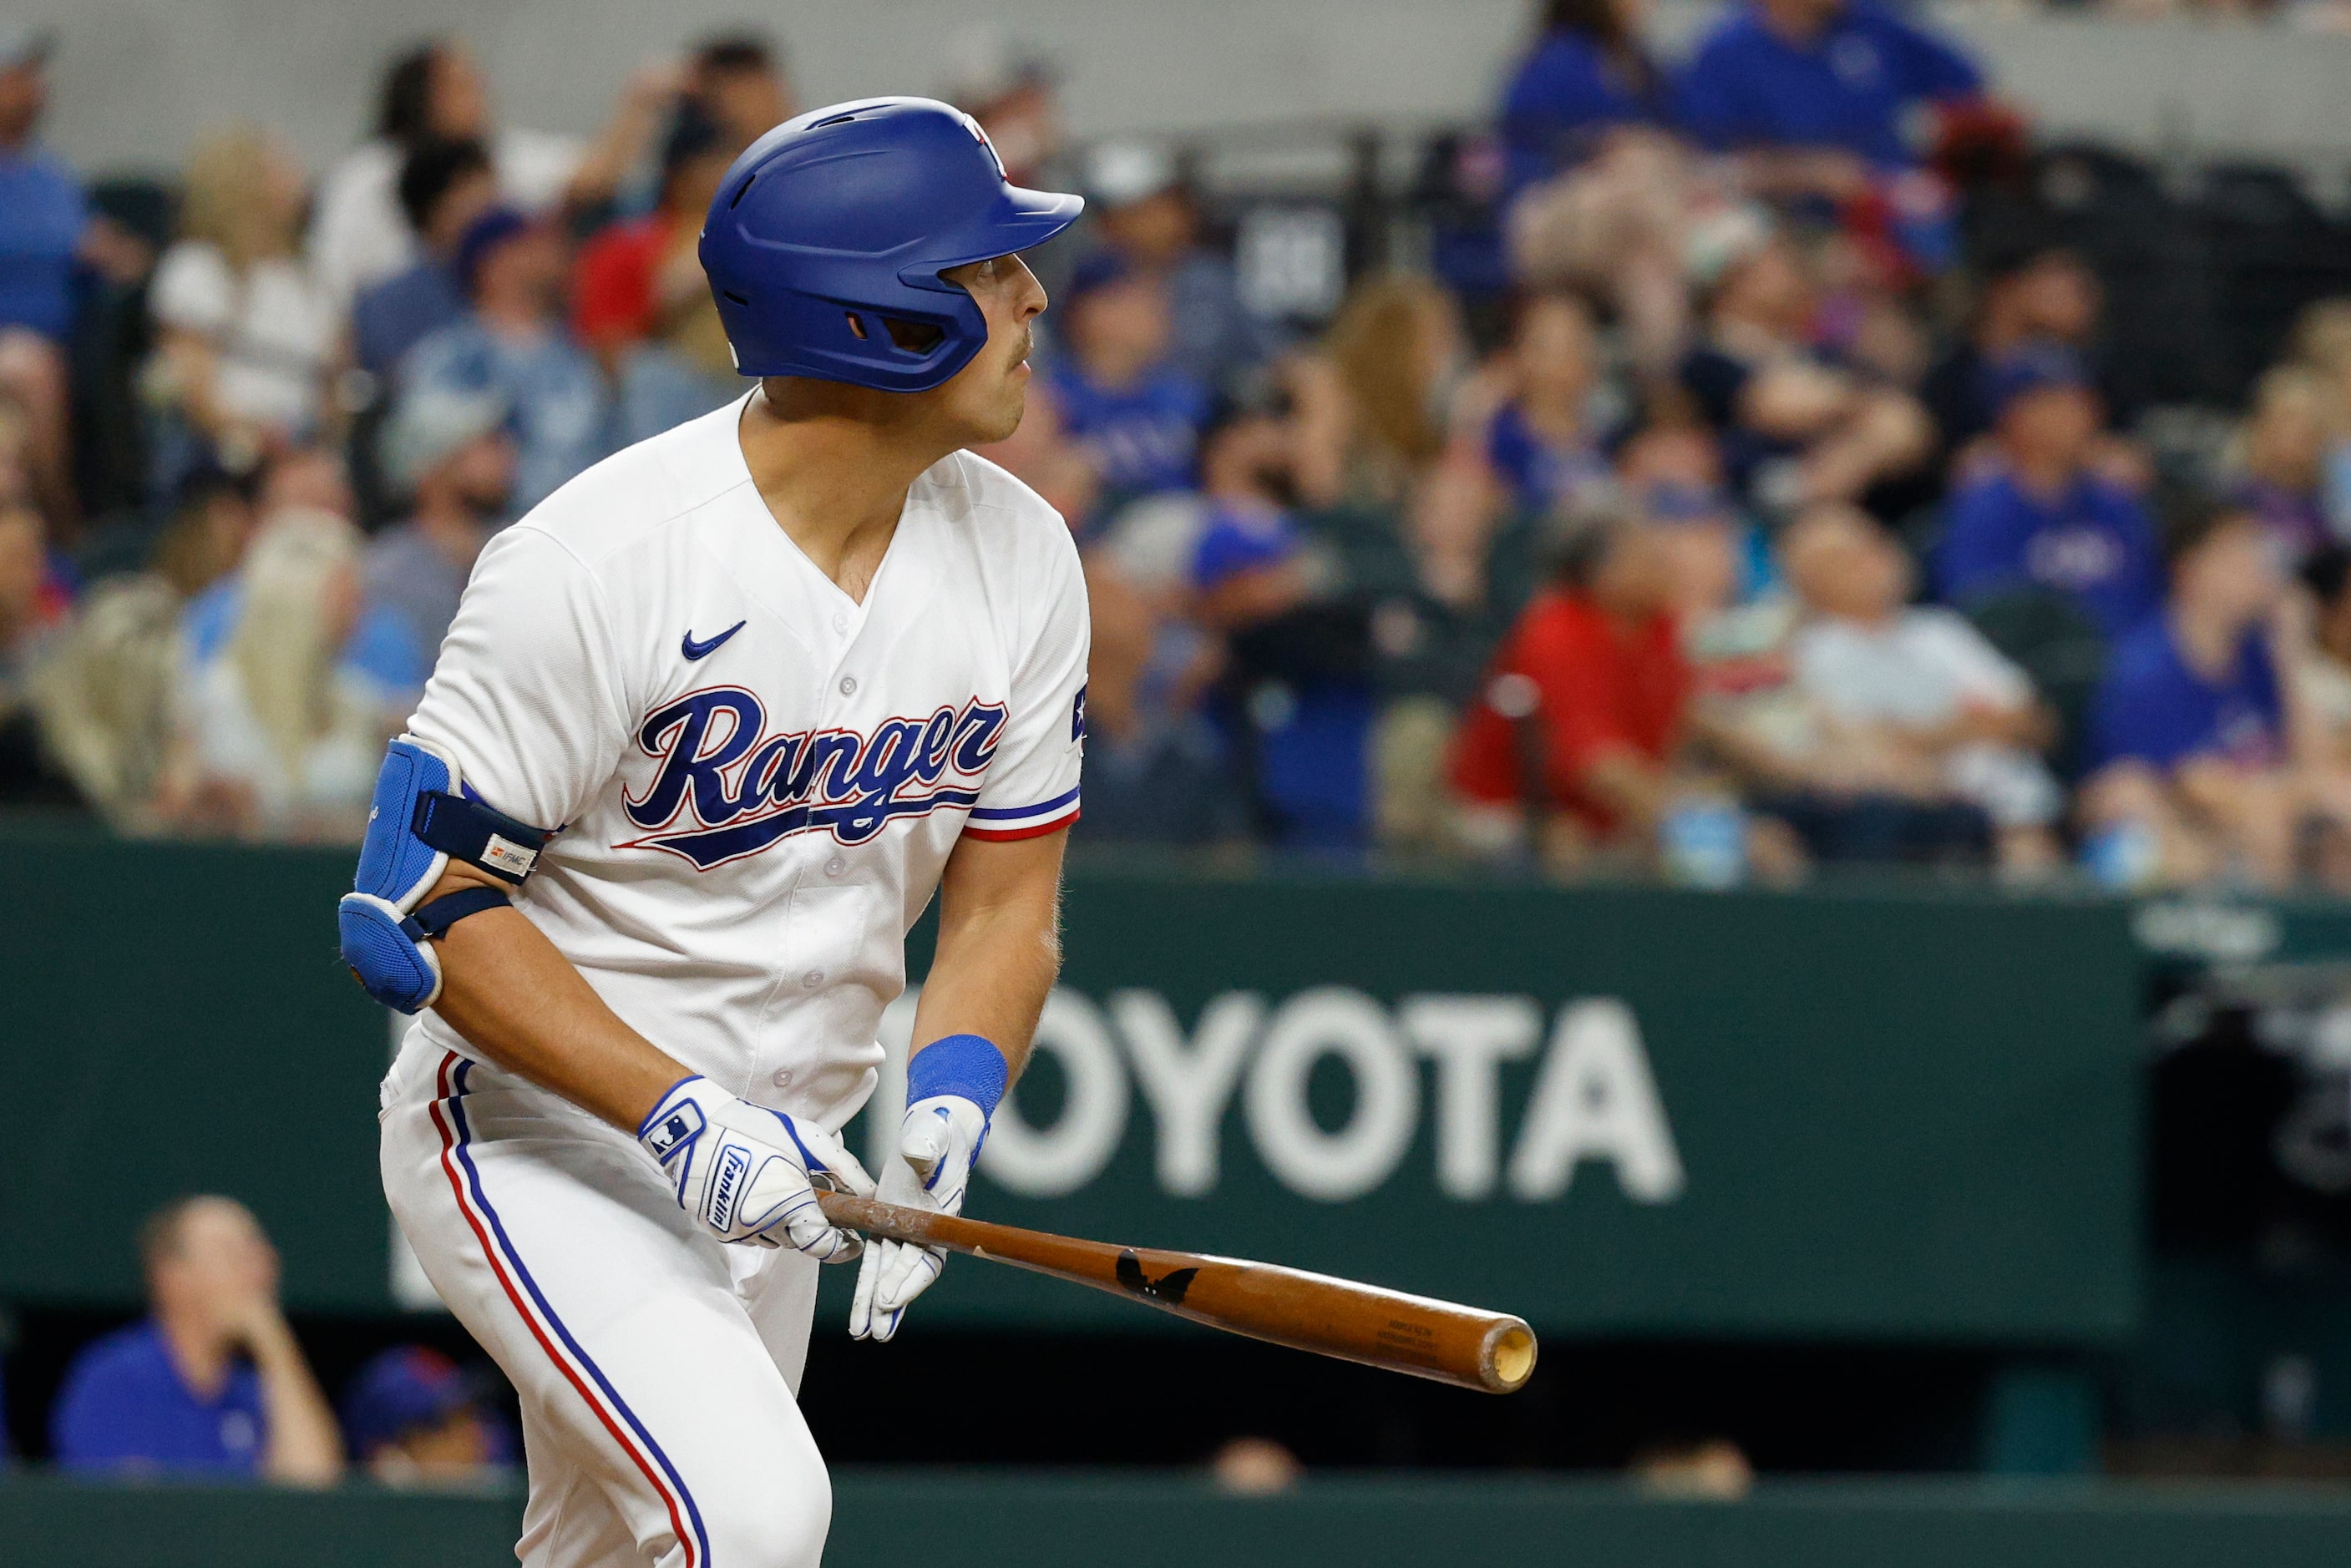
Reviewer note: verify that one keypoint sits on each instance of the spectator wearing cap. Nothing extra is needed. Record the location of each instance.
(1135, 414)
(1143, 209)
(1813, 93)
(447, 453)
(2192, 750)
(443, 187)
(1671, 475)
(434, 92)
(246, 335)
(1169, 581)
(2034, 292)
(412, 1418)
(213, 1382)
(1577, 730)
(1294, 702)
(514, 345)
(2041, 516)
(1796, 427)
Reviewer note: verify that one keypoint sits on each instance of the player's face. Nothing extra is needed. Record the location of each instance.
(987, 397)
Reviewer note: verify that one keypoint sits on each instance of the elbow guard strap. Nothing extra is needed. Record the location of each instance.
(420, 820)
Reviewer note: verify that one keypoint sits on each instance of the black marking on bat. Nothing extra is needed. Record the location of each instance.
(1167, 1289)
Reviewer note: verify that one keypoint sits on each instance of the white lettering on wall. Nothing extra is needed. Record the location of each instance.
(1596, 1099)
(1469, 1038)
(1332, 1167)
(1187, 1085)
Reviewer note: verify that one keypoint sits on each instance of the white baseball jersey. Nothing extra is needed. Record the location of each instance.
(758, 779)
(757, 783)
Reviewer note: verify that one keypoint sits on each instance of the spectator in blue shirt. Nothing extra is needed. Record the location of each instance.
(213, 1383)
(515, 345)
(443, 187)
(44, 228)
(2032, 291)
(2190, 742)
(1134, 413)
(1296, 702)
(1817, 89)
(1544, 446)
(1587, 78)
(42, 214)
(2040, 516)
(1140, 207)
(1596, 187)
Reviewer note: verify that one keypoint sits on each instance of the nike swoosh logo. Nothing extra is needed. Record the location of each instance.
(704, 649)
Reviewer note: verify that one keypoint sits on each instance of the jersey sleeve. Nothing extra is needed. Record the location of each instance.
(1031, 787)
(528, 694)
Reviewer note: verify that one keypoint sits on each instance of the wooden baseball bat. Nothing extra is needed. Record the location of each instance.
(1414, 1334)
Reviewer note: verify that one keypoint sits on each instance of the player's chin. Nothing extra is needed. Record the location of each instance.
(1010, 406)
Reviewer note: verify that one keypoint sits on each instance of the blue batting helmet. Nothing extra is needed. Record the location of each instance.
(826, 240)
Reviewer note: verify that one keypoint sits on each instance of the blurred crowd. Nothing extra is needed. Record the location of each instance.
(1731, 482)
(212, 1384)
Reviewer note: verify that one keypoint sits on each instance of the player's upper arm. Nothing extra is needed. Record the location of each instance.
(528, 694)
(1032, 788)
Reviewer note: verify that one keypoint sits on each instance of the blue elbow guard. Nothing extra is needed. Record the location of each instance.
(419, 821)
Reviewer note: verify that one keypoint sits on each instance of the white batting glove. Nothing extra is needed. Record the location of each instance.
(743, 1170)
(937, 1144)
(952, 1088)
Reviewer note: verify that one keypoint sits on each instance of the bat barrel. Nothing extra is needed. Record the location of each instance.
(1465, 1347)
(1443, 1341)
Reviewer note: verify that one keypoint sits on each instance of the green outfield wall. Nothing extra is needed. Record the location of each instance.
(1858, 1115)
(1023, 1519)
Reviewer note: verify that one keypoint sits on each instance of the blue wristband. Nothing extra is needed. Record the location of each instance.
(964, 1065)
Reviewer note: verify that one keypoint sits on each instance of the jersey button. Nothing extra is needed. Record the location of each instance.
(848, 686)
(840, 621)
(783, 1079)
(811, 980)
(835, 867)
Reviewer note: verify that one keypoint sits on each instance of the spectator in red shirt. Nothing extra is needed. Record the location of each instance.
(1582, 712)
(635, 275)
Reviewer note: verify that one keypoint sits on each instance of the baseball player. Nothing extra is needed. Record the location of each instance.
(713, 723)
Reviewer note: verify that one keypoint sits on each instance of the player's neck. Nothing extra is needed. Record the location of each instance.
(834, 464)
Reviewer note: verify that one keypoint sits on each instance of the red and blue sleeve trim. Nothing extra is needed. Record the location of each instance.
(1002, 823)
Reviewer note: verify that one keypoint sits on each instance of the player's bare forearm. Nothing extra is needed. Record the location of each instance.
(522, 1004)
(999, 943)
